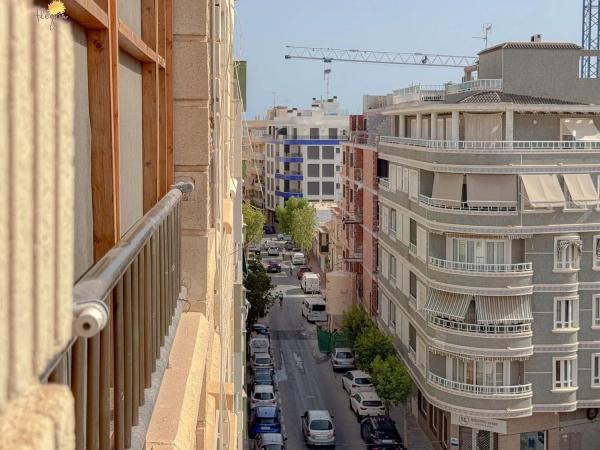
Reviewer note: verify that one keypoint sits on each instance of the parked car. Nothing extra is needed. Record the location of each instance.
(273, 251)
(366, 404)
(342, 358)
(269, 441)
(274, 267)
(280, 237)
(263, 395)
(381, 433)
(261, 360)
(355, 381)
(310, 283)
(269, 229)
(263, 378)
(258, 345)
(289, 246)
(298, 258)
(254, 249)
(264, 419)
(314, 309)
(260, 329)
(302, 271)
(318, 428)
(288, 238)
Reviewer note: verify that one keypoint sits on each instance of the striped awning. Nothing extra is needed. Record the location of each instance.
(447, 304)
(503, 309)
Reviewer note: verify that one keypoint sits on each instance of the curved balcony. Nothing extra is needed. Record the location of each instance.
(488, 330)
(501, 208)
(473, 390)
(289, 194)
(456, 266)
(291, 176)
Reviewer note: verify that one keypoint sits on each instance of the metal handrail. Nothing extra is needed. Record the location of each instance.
(508, 146)
(479, 267)
(475, 328)
(498, 207)
(477, 389)
(475, 85)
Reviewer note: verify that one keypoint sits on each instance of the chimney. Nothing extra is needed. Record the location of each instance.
(536, 38)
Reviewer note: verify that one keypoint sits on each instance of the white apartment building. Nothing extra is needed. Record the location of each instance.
(303, 157)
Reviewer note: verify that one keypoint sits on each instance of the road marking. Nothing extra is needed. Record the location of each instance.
(299, 362)
(281, 374)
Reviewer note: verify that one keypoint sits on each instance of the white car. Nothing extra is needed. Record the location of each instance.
(273, 251)
(258, 345)
(261, 360)
(269, 441)
(318, 428)
(357, 381)
(365, 404)
(263, 395)
(342, 358)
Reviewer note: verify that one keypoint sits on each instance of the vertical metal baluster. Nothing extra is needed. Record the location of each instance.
(93, 392)
(78, 389)
(119, 367)
(163, 312)
(135, 342)
(128, 338)
(155, 309)
(149, 354)
(179, 233)
(142, 323)
(170, 283)
(105, 341)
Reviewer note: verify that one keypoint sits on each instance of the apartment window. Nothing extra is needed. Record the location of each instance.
(405, 180)
(294, 133)
(421, 296)
(596, 252)
(314, 133)
(567, 253)
(313, 170)
(393, 220)
(328, 188)
(385, 218)
(412, 285)
(412, 338)
(413, 184)
(392, 269)
(480, 373)
(337, 186)
(337, 150)
(333, 133)
(337, 168)
(421, 244)
(328, 152)
(423, 404)
(565, 313)
(565, 373)
(392, 315)
(313, 187)
(328, 170)
(399, 179)
(596, 311)
(312, 152)
(596, 369)
(478, 251)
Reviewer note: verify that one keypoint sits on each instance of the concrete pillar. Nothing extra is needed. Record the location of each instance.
(401, 125)
(509, 126)
(433, 126)
(455, 126)
(419, 126)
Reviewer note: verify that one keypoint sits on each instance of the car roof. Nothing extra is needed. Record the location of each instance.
(298, 254)
(359, 374)
(271, 438)
(258, 338)
(342, 349)
(313, 300)
(263, 388)
(316, 414)
(369, 395)
(266, 411)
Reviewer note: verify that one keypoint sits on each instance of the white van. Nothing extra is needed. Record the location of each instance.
(310, 283)
(314, 309)
(298, 258)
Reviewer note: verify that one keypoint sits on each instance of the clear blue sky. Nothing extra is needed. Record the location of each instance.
(264, 27)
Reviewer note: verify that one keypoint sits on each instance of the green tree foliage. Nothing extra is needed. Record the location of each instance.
(370, 344)
(258, 284)
(285, 214)
(254, 220)
(354, 321)
(391, 380)
(304, 221)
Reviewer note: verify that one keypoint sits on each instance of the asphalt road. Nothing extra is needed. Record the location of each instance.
(304, 376)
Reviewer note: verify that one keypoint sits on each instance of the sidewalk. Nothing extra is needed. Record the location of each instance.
(313, 263)
(417, 439)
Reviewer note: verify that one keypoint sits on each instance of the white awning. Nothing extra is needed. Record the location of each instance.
(447, 188)
(491, 190)
(503, 309)
(543, 190)
(447, 304)
(581, 188)
(581, 129)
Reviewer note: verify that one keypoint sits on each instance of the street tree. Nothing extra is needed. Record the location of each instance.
(285, 213)
(254, 220)
(370, 344)
(354, 321)
(258, 285)
(304, 221)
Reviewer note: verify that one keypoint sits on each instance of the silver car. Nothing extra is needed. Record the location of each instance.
(318, 428)
(342, 358)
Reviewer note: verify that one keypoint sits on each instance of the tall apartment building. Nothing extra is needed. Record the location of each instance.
(489, 249)
(303, 156)
(254, 140)
(121, 304)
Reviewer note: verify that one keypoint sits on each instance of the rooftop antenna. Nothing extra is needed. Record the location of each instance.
(486, 30)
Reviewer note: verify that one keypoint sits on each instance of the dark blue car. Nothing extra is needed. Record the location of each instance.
(264, 419)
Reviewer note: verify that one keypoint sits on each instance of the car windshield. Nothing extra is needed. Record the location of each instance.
(263, 395)
(318, 308)
(321, 425)
(343, 355)
(264, 360)
(372, 403)
(266, 420)
(259, 343)
(263, 376)
(272, 447)
(362, 381)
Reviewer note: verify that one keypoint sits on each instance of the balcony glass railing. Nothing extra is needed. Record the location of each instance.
(475, 328)
(474, 85)
(419, 93)
(494, 146)
(478, 267)
(474, 389)
(501, 207)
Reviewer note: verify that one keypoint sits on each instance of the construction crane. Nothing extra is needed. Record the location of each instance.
(590, 39)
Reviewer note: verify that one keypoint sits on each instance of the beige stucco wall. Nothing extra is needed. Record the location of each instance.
(36, 224)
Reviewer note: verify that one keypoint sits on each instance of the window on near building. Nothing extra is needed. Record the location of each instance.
(405, 180)
(392, 269)
(421, 244)
(596, 311)
(393, 220)
(412, 338)
(313, 170)
(333, 133)
(313, 187)
(596, 369)
(412, 285)
(337, 168)
(337, 186)
(328, 152)
(478, 251)
(337, 150)
(328, 188)
(328, 170)
(596, 252)
(565, 313)
(294, 133)
(392, 315)
(312, 152)
(314, 133)
(423, 404)
(565, 373)
(567, 253)
(413, 184)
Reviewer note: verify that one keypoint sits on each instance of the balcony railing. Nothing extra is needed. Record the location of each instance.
(412, 248)
(494, 146)
(364, 137)
(475, 389)
(419, 93)
(496, 329)
(501, 207)
(384, 183)
(474, 85)
(138, 282)
(478, 267)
